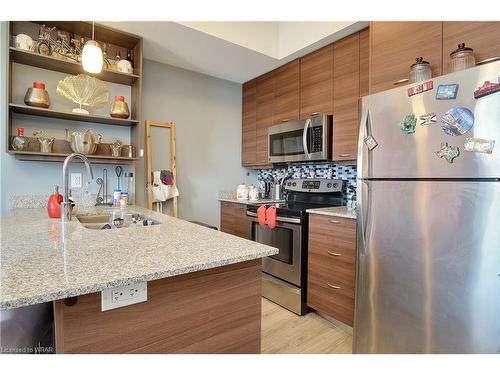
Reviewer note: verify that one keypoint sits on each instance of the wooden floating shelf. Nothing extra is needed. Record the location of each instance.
(43, 112)
(55, 157)
(65, 66)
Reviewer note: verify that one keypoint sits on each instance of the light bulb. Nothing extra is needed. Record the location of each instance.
(92, 57)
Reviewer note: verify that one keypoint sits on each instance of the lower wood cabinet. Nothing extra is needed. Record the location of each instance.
(332, 266)
(233, 219)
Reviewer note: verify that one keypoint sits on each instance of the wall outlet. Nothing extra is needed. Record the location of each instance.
(124, 296)
(76, 180)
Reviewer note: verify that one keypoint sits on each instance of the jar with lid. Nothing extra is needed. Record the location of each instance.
(117, 194)
(130, 187)
(19, 142)
(420, 70)
(462, 58)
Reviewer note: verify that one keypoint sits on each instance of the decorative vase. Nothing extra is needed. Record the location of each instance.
(37, 96)
(119, 108)
(116, 148)
(19, 142)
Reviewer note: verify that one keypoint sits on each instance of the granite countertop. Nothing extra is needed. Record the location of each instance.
(341, 211)
(247, 201)
(43, 259)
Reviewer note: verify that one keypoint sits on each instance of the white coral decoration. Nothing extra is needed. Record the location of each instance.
(84, 90)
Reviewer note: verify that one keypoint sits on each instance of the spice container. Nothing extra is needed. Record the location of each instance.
(420, 70)
(462, 58)
(117, 195)
(123, 199)
(130, 186)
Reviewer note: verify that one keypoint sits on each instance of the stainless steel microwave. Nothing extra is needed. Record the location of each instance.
(301, 140)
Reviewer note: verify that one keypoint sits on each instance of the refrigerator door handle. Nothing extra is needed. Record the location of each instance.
(363, 213)
(364, 131)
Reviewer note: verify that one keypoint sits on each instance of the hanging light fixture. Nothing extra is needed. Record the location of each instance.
(92, 55)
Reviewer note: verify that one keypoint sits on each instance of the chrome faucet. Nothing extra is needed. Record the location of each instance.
(66, 204)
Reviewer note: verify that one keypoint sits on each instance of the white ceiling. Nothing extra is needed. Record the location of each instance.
(235, 51)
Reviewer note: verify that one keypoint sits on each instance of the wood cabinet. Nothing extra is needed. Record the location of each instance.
(286, 94)
(233, 219)
(346, 97)
(364, 62)
(396, 45)
(332, 266)
(316, 82)
(483, 37)
(249, 124)
(264, 117)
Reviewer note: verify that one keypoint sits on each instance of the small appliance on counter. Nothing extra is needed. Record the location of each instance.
(284, 275)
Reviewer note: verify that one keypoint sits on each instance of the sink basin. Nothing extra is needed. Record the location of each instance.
(115, 220)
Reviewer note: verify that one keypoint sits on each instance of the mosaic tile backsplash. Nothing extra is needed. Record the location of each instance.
(337, 171)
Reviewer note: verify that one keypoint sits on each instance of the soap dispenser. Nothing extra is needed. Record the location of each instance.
(54, 204)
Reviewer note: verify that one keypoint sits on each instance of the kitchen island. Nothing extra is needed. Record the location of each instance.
(203, 286)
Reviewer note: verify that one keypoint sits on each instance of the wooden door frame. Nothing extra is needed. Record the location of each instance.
(167, 125)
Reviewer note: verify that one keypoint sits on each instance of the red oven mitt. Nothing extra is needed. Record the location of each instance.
(271, 217)
(261, 215)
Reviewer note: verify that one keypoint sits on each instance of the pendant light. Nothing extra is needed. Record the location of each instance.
(92, 55)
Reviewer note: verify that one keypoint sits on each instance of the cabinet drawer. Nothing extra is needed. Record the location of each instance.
(337, 270)
(335, 300)
(330, 233)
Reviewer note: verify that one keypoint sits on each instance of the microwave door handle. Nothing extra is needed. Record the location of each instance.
(304, 138)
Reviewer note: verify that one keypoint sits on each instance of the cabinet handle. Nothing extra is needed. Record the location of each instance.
(333, 286)
(404, 80)
(486, 61)
(344, 155)
(333, 254)
(285, 120)
(314, 114)
(334, 221)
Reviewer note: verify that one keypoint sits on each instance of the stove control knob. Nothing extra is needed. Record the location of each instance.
(289, 184)
(294, 184)
(329, 185)
(335, 185)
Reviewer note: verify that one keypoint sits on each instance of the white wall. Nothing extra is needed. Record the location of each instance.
(207, 114)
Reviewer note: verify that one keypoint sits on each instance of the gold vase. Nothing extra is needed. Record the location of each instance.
(119, 108)
(37, 96)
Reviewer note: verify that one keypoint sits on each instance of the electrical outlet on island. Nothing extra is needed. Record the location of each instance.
(123, 296)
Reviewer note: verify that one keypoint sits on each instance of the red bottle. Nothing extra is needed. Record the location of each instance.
(54, 204)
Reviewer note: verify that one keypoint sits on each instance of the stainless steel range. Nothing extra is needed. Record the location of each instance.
(284, 275)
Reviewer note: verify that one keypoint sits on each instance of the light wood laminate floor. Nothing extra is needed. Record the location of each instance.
(283, 332)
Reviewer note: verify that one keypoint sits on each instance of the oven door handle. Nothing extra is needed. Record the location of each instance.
(291, 220)
(307, 124)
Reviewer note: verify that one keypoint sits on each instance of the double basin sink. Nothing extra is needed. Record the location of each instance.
(115, 220)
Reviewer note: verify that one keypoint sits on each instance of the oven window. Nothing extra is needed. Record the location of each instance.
(279, 237)
(289, 143)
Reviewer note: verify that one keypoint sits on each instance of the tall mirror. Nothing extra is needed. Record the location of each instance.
(161, 168)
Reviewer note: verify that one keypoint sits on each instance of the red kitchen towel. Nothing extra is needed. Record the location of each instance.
(261, 215)
(271, 217)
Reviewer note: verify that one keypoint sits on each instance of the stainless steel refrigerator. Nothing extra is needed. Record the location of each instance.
(428, 262)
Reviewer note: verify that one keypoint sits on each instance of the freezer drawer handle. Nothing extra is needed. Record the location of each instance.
(333, 286)
(345, 155)
(404, 80)
(333, 254)
(334, 221)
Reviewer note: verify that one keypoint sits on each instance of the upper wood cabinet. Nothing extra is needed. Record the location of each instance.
(364, 62)
(345, 97)
(286, 95)
(249, 124)
(265, 109)
(396, 45)
(483, 37)
(316, 82)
